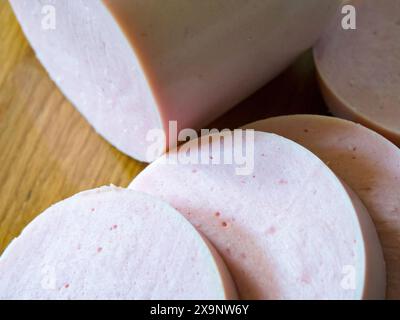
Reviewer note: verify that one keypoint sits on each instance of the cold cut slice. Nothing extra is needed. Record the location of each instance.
(289, 230)
(359, 70)
(368, 163)
(130, 66)
(112, 243)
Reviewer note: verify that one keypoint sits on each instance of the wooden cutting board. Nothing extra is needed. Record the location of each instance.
(48, 152)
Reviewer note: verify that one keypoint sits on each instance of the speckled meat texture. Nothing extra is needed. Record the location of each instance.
(290, 230)
(130, 66)
(359, 70)
(368, 163)
(111, 243)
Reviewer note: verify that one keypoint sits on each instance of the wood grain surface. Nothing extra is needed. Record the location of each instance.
(49, 152)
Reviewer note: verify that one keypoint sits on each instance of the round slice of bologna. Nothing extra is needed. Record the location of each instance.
(367, 162)
(286, 226)
(359, 70)
(131, 66)
(111, 243)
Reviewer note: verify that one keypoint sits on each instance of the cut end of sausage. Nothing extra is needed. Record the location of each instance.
(90, 59)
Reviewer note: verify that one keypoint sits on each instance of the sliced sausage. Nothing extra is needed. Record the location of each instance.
(289, 230)
(111, 243)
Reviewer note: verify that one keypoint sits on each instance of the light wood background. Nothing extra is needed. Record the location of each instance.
(48, 152)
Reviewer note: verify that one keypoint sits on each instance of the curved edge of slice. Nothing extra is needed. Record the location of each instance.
(374, 264)
(375, 269)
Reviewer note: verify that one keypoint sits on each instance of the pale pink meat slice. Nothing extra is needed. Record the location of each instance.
(289, 230)
(366, 161)
(112, 243)
(359, 70)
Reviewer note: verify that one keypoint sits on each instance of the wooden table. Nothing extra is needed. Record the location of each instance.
(49, 152)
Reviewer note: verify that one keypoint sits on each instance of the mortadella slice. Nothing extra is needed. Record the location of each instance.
(130, 66)
(112, 243)
(366, 161)
(359, 70)
(289, 230)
